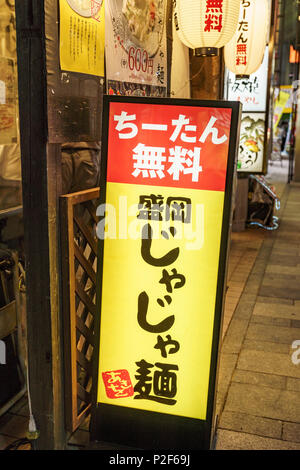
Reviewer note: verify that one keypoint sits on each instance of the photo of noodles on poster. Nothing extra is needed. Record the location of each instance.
(86, 8)
(136, 46)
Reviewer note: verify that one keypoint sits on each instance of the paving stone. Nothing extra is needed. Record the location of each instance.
(235, 288)
(275, 334)
(267, 346)
(248, 297)
(242, 270)
(290, 215)
(244, 310)
(293, 384)
(275, 277)
(255, 278)
(269, 291)
(292, 202)
(269, 363)
(274, 300)
(226, 367)
(238, 277)
(235, 335)
(259, 267)
(251, 424)
(252, 287)
(231, 296)
(291, 432)
(263, 401)
(260, 378)
(283, 283)
(283, 257)
(290, 226)
(264, 320)
(284, 254)
(230, 303)
(277, 268)
(283, 246)
(275, 310)
(288, 236)
(282, 322)
(237, 284)
(231, 440)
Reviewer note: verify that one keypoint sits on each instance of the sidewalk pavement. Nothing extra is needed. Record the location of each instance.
(258, 394)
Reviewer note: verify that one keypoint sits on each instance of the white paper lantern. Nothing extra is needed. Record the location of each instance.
(206, 25)
(245, 52)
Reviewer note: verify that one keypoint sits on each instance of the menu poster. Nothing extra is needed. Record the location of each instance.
(252, 139)
(8, 104)
(252, 91)
(136, 45)
(82, 36)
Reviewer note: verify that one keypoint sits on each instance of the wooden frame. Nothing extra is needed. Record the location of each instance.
(41, 186)
(78, 331)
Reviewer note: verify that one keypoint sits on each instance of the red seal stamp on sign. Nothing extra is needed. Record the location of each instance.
(117, 384)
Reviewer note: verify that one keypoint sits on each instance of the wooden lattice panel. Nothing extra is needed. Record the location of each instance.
(79, 261)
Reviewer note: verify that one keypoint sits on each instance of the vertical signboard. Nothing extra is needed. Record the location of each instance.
(252, 143)
(252, 93)
(167, 171)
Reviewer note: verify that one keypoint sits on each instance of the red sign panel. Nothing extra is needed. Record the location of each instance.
(183, 147)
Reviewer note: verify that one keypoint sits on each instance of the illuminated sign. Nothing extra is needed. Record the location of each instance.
(252, 143)
(167, 170)
(252, 91)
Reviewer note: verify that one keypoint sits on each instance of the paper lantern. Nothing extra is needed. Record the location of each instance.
(244, 53)
(206, 25)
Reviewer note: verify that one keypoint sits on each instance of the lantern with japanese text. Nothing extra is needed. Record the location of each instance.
(245, 51)
(206, 25)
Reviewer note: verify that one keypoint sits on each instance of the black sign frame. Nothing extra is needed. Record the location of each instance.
(145, 430)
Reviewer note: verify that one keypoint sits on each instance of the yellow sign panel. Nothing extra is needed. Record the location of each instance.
(82, 36)
(288, 106)
(280, 106)
(169, 367)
